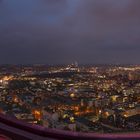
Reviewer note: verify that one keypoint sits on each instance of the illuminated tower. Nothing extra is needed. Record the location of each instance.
(76, 64)
(82, 102)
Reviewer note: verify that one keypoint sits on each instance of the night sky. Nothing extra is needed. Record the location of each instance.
(63, 31)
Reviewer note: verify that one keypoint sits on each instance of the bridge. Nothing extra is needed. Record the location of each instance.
(13, 129)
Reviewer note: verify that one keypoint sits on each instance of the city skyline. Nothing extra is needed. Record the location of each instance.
(60, 32)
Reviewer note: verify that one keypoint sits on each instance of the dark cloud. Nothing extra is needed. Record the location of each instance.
(61, 31)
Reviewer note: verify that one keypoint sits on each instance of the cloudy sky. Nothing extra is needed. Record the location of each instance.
(62, 31)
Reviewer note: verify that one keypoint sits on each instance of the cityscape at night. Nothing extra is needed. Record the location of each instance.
(101, 99)
(69, 69)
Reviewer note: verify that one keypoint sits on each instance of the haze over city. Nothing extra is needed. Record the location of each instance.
(69, 69)
(62, 31)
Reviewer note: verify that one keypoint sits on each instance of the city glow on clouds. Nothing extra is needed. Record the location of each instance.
(61, 31)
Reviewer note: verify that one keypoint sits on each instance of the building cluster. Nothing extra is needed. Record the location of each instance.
(77, 98)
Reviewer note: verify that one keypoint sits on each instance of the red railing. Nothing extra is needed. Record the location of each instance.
(37, 132)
